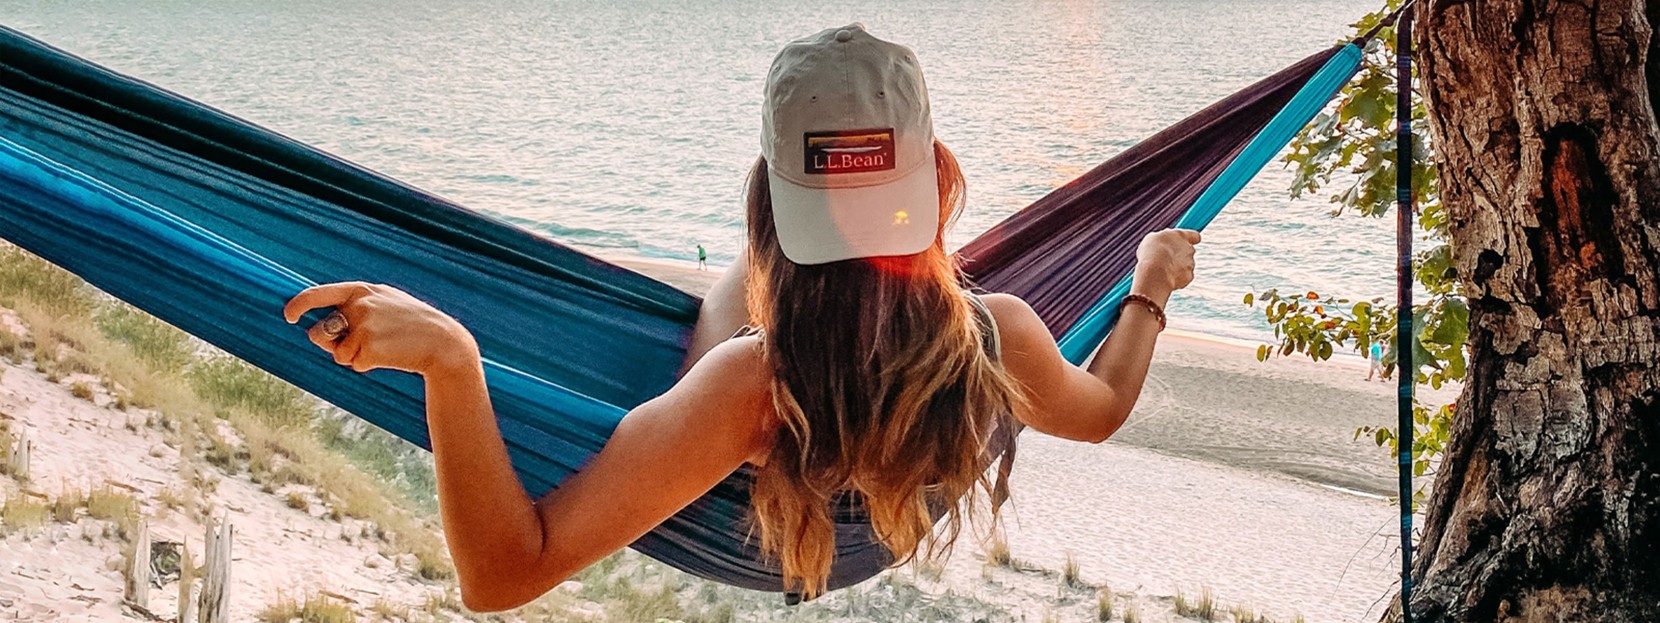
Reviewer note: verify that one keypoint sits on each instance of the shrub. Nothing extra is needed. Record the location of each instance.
(21, 512)
(63, 508)
(997, 552)
(26, 277)
(229, 384)
(1069, 572)
(154, 342)
(314, 608)
(105, 502)
(430, 564)
(12, 347)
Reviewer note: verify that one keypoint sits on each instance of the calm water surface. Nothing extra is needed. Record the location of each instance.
(627, 127)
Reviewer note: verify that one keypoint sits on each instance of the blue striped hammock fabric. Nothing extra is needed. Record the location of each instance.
(164, 203)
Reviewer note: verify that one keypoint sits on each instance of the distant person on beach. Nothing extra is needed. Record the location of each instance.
(702, 258)
(844, 351)
(1376, 359)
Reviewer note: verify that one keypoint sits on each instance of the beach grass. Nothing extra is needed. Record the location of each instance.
(21, 512)
(1069, 573)
(1204, 608)
(441, 602)
(149, 339)
(228, 383)
(175, 498)
(222, 412)
(67, 505)
(388, 610)
(8, 445)
(12, 346)
(71, 328)
(118, 507)
(23, 275)
(313, 608)
(997, 552)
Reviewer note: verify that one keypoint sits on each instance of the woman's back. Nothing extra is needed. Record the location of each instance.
(874, 372)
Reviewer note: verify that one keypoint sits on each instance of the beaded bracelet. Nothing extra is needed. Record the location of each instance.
(1152, 306)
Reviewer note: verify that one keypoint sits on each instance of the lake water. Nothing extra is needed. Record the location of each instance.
(627, 127)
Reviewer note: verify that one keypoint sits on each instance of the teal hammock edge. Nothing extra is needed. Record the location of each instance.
(1080, 341)
(264, 281)
(699, 540)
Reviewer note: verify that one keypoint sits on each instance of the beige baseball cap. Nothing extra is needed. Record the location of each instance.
(849, 144)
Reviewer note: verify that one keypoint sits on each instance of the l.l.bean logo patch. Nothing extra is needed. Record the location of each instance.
(848, 151)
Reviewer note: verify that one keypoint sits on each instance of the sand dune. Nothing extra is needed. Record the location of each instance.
(1232, 474)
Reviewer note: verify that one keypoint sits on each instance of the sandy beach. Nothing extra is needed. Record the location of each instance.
(1208, 399)
(1235, 476)
(1231, 473)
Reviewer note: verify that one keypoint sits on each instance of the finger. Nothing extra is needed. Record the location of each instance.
(326, 295)
(349, 349)
(323, 340)
(1191, 235)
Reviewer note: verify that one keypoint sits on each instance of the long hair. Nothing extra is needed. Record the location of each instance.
(883, 388)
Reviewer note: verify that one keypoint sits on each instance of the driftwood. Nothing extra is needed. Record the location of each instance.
(137, 593)
(187, 580)
(17, 461)
(214, 602)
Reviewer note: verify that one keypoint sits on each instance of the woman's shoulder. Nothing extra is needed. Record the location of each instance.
(1017, 322)
(734, 375)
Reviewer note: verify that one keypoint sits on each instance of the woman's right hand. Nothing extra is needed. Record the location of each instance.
(1164, 262)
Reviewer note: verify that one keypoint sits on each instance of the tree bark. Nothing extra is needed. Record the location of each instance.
(1547, 505)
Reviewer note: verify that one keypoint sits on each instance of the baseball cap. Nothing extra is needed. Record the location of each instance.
(849, 144)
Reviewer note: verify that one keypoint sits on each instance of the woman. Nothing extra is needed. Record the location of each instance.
(870, 369)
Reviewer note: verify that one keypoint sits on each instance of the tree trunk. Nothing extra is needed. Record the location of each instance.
(1546, 507)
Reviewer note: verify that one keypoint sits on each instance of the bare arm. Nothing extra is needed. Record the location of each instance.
(1091, 403)
(507, 548)
(725, 309)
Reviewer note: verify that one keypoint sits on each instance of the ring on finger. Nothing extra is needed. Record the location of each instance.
(335, 325)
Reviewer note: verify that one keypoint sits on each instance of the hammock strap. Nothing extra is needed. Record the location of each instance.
(1404, 343)
(1079, 342)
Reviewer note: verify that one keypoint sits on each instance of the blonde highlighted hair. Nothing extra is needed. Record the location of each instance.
(884, 390)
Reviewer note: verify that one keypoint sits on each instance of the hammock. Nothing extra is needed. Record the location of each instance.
(211, 223)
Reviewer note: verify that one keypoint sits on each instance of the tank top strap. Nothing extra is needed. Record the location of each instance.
(988, 325)
(1001, 446)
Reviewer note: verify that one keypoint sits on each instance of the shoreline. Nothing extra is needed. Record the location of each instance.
(685, 274)
(1207, 398)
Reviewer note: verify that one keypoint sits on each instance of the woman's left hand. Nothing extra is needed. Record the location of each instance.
(386, 328)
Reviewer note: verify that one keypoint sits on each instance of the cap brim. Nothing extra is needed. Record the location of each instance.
(823, 225)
